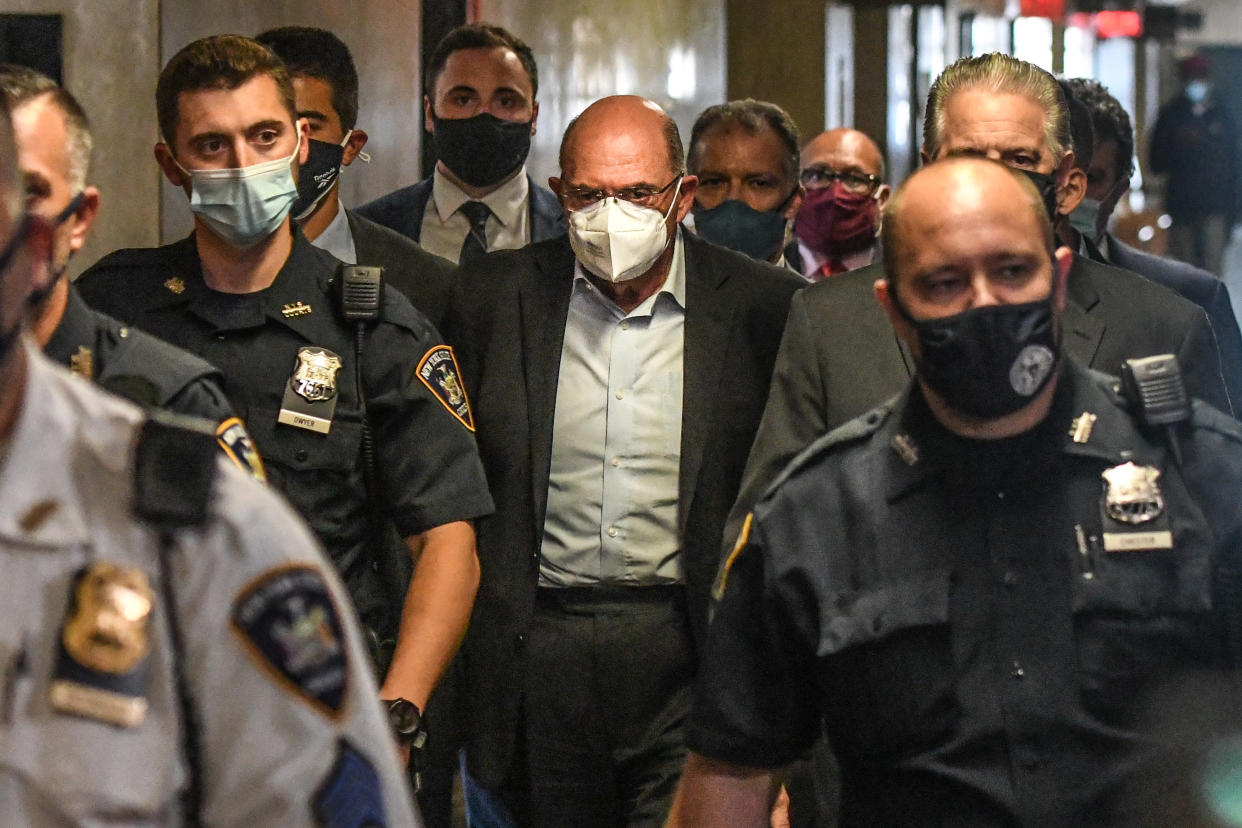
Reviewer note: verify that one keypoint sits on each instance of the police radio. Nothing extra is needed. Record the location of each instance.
(360, 292)
(1154, 386)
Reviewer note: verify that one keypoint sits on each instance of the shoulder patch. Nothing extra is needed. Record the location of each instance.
(288, 624)
(236, 444)
(438, 371)
(350, 796)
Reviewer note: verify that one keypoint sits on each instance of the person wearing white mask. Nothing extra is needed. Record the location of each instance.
(361, 423)
(325, 84)
(617, 375)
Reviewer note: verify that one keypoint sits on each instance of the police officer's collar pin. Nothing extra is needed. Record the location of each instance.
(905, 448)
(176, 284)
(82, 363)
(1080, 428)
(293, 309)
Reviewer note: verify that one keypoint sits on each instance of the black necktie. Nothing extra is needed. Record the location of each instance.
(475, 244)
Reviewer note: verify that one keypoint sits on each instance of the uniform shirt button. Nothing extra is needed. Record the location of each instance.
(1009, 579)
(301, 455)
(616, 461)
(612, 531)
(1017, 672)
(1000, 495)
(620, 394)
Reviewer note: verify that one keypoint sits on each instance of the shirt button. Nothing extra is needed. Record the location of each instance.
(219, 337)
(1017, 671)
(625, 326)
(1000, 495)
(616, 461)
(620, 394)
(301, 455)
(1009, 579)
(612, 531)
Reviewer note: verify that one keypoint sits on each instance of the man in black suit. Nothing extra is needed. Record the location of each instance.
(839, 357)
(481, 112)
(1108, 179)
(617, 378)
(326, 84)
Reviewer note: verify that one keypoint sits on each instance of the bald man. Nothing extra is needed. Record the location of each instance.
(836, 226)
(617, 376)
(938, 582)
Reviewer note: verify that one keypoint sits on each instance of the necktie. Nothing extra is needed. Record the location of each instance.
(832, 267)
(475, 244)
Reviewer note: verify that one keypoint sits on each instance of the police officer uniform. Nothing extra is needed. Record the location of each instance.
(290, 370)
(977, 622)
(103, 671)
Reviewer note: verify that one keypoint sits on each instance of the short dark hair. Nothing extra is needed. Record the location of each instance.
(317, 53)
(216, 62)
(672, 144)
(1082, 135)
(21, 84)
(1109, 119)
(479, 36)
(754, 117)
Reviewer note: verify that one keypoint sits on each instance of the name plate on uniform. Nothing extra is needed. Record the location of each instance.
(1133, 541)
(310, 394)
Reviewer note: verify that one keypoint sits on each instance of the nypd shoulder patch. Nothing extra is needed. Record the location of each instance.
(236, 444)
(290, 627)
(438, 371)
(350, 795)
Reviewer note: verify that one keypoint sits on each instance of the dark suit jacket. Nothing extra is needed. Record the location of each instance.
(424, 278)
(1206, 291)
(402, 210)
(507, 324)
(840, 358)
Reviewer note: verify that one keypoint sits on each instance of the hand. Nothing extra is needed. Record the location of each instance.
(780, 810)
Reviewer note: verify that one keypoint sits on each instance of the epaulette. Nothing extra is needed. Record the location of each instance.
(853, 431)
(396, 309)
(167, 368)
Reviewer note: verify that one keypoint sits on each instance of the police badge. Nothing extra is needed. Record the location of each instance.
(101, 668)
(314, 381)
(1132, 498)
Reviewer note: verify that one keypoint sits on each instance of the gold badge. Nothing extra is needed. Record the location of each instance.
(1080, 429)
(176, 285)
(108, 629)
(82, 363)
(905, 448)
(295, 309)
(1131, 494)
(314, 379)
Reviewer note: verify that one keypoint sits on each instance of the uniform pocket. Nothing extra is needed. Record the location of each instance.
(300, 449)
(887, 665)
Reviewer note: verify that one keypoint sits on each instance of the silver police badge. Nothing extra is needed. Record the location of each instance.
(314, 378)
(1131, 494)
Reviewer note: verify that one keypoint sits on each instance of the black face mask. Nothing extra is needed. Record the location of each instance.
(482, 150)
(988, 361)
(316, 177)
(9, 337)
(1047, 186)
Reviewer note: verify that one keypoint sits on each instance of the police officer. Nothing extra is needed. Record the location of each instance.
(195, 665)
(976, 585)
(53, 154)
(359, 423)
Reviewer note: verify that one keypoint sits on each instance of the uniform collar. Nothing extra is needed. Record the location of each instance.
(39, 470)
(76, 330)
(1088, 419)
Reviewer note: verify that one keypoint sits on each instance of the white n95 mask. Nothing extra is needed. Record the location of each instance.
(244, 205)
(617, 240)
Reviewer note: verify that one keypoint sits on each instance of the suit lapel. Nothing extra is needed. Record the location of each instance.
(544, 306)
(709, 314)
(1083, 328)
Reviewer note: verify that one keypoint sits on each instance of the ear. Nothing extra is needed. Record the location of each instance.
(534, 116)
(924, 156)
(889, 302)
(357, 140)
(881, 196)
(303, 127)
(84, 219)
(689, 186)
(795, 203)
(429, 123)
(1063, 260)
(164, 157)
(1071, 185)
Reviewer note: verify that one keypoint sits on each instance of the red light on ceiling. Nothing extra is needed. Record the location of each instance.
(1052, 9)
(1118, 24)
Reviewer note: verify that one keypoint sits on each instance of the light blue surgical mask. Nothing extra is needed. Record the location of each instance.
(1083, 218)
(1198, 90)
(244, 205)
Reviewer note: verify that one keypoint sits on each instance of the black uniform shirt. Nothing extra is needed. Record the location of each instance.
(951, 610)
(136, 365)
(428, 470)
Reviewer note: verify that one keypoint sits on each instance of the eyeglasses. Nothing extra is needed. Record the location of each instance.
(578, 198)
(819, 177)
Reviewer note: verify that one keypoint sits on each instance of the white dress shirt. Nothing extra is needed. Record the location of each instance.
(508, 227)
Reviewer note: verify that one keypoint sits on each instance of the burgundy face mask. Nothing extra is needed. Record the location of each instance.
(835, 222)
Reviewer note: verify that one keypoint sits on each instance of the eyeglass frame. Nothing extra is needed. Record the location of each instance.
(873, 182)
(644, 200)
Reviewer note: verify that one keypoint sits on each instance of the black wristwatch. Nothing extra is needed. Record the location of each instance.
(406, 721)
